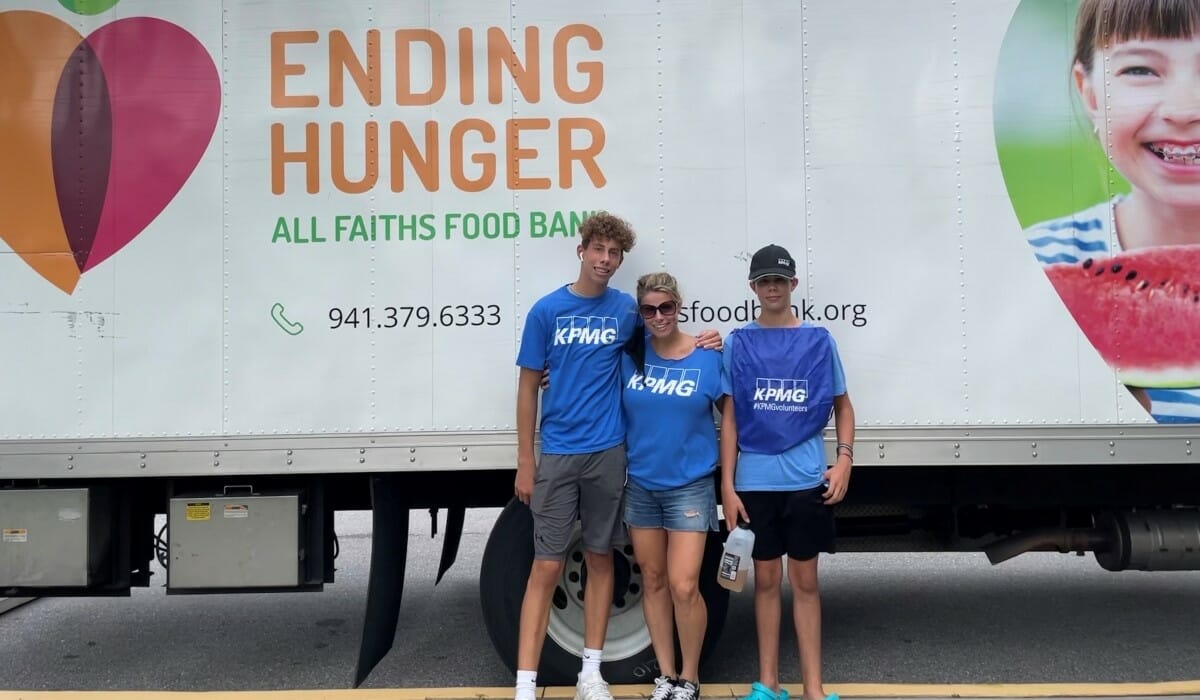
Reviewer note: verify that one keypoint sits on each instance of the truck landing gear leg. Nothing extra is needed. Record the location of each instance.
(385, 587)
(456, 517)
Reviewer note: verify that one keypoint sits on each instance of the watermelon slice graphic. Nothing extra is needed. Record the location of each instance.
(1141, 311)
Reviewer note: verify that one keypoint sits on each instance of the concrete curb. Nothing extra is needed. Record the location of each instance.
(7, 604)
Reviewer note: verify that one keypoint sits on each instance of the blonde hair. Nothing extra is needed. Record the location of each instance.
(662, 282)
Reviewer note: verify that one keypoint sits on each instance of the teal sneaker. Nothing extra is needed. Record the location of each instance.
(758, 691)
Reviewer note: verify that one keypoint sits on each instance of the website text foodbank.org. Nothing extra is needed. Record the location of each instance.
(699, 311)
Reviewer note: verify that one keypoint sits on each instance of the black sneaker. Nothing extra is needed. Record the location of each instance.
(685, 690)
(664, 688)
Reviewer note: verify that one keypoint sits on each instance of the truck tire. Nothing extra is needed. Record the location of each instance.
(629, 658)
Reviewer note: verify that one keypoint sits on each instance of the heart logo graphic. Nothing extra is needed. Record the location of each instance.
(1095, 109)
(98, 134)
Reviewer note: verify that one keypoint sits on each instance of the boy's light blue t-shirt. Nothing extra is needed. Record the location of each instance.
(671, 436)
(801, 467)
(580, 339)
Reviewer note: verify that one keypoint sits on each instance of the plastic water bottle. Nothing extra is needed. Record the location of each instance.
(735, 560)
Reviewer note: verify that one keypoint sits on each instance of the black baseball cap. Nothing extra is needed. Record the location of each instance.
(772, 261)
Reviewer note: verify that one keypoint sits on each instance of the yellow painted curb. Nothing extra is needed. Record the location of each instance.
(963, 690)
(637, 692)
(934, 690)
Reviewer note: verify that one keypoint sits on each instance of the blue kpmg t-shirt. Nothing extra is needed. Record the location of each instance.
(580, 339)
(801, 467)
(671, 436)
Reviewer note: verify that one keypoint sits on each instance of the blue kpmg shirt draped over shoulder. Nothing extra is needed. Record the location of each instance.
(801, 467)
(671, 436)
(580, 339)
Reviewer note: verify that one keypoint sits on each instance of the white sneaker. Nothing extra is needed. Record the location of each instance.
(663, 688)
(592, 688)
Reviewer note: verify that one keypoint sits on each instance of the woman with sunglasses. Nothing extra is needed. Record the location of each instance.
(670, 389)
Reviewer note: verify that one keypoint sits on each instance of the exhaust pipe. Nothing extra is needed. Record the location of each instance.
(1155, 540)
(1048, 539)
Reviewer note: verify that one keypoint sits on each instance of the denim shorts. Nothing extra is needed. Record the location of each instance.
(689, 508)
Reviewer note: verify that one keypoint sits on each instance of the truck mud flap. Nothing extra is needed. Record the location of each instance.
(385, 587)
(456, 516)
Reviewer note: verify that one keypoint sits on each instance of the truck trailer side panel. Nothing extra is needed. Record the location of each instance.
(376, 195)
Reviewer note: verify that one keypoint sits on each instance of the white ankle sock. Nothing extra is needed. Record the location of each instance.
(526, 685)
(591, 662)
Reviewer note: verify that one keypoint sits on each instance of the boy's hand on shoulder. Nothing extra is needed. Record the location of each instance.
(710, 340)
(838, 477)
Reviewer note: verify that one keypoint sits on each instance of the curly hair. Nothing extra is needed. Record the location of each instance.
(662, 282)
(601, 225)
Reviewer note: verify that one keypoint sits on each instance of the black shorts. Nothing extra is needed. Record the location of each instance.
(796, 523)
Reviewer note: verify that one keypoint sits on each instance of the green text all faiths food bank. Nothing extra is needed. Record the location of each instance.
(471, 226)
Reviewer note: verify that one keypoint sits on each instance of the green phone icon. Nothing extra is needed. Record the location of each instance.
(283, 322)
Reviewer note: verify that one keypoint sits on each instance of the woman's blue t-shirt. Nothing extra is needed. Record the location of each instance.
(671, 435)
(580, 340)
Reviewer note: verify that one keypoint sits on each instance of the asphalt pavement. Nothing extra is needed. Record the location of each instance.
(911, 625)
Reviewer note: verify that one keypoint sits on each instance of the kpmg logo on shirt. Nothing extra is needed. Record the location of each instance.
(665, 380)
(780, 394)
(585, 330)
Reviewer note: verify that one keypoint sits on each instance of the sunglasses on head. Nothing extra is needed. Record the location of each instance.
(667, 308)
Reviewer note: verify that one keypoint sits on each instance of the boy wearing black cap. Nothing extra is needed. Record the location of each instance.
(785, 378)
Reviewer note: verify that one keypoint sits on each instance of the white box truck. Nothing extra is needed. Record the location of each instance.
(264, 261)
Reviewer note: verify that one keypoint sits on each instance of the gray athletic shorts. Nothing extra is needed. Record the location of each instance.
(588, 488)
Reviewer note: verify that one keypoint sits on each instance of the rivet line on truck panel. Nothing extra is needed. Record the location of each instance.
(659, 98)
(958, 189)
(808, 227)
(373, 209)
